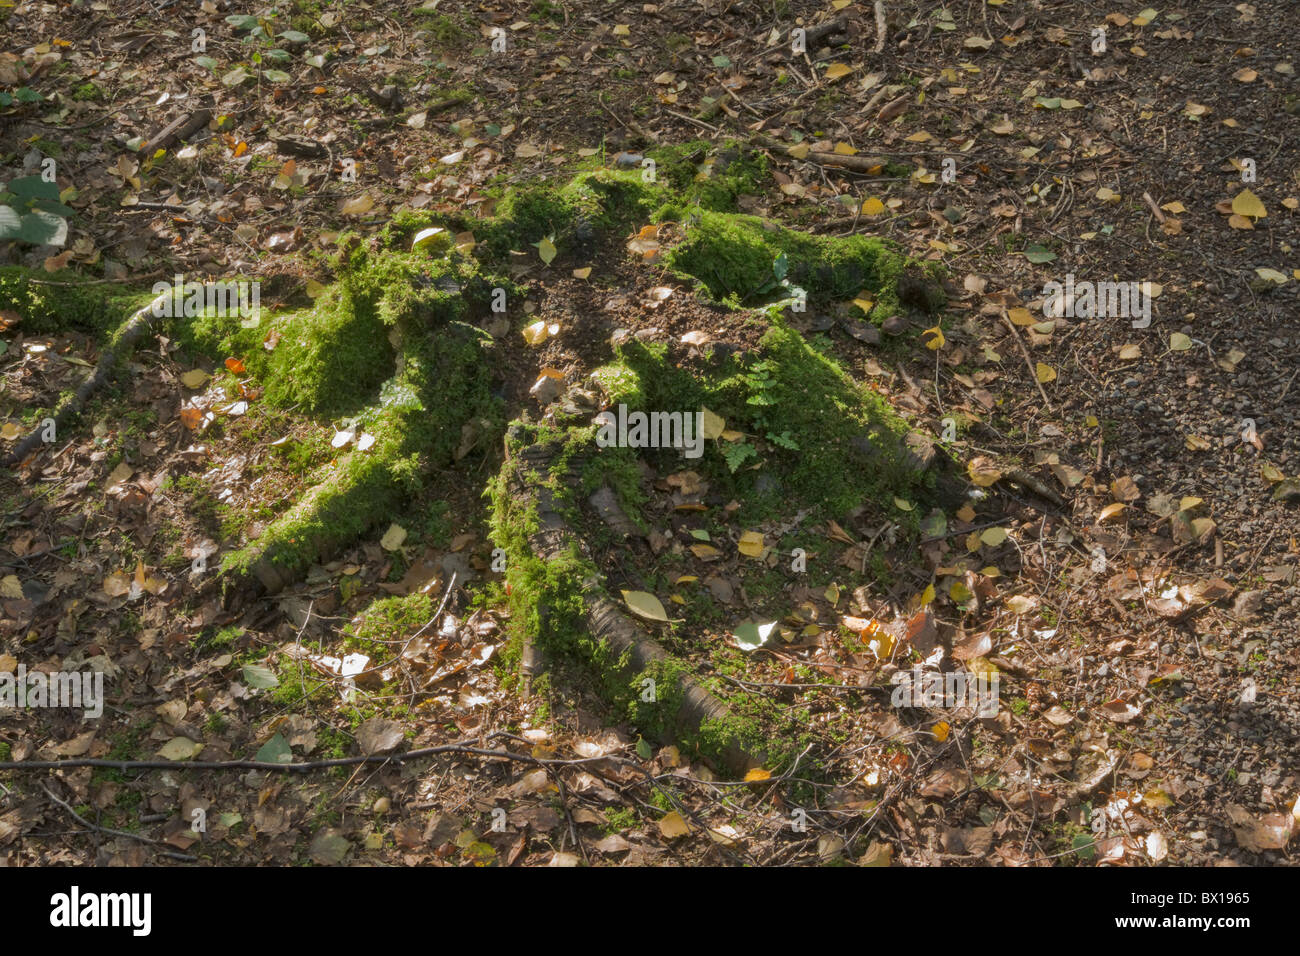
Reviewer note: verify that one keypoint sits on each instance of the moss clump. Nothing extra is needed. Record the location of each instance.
(331, 358)
(733, 256)
(387, 619)
(695, 175)
(387, 344)
(549, 600)
(442, 383)
(44, 308)
(814, 437)
(612, 201)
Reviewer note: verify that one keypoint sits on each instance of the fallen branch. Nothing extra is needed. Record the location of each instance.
(858, 164)
(109, 831)
(181, 128)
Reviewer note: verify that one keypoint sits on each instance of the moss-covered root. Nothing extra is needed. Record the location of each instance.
(120, 345)
(559, 601)
(442, 383)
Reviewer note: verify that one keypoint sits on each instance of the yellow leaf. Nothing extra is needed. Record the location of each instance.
(927, 596)
(902, 504)
(582, 273)
(757, 774)
(536, 333)
(941, 730)
(873, 207)
(1044, 373)
(1246, 203)
(673, 826)
(1110, 511)
(837, 70)
(1179, 342)
(1021, 603)
(844, 149)
(933, 338)
(798, 151)
(992, 537)
(393, 538)
(546, 249)
(435, 238)
(751, 544)
(866, 305)
(645, 605)
(1020, 316)
(711, 425)
(194, 378)
(358, 206)
(982, 472)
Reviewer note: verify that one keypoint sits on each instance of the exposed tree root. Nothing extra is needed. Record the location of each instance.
(122, 344)
(687, 711)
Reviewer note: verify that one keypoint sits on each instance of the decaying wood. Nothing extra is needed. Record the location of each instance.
(181, 128)
(858, 164)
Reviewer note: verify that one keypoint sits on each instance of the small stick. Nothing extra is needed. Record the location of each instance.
(111, 832)
(1160, 216)
(1028, 361)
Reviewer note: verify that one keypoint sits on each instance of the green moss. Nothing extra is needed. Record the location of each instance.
(548, 603)
(732, 256)
(696, 175)
(386, 620)
(442, 383)
(819, 439)
(610, 202)
(44, 308)
(331, 359)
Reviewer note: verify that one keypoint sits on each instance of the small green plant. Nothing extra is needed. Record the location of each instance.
(30, 211)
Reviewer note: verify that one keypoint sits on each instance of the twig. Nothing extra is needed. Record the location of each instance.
(1160, 216)
(692, 119)
(1033, 372)
(125, 765)
(118, 833)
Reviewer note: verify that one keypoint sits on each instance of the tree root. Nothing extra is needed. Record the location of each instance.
(686, 710)
(122, 344)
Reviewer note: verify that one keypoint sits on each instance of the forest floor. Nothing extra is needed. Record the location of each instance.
(1126, 562)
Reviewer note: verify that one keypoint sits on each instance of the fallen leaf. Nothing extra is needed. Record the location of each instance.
(646, 605)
